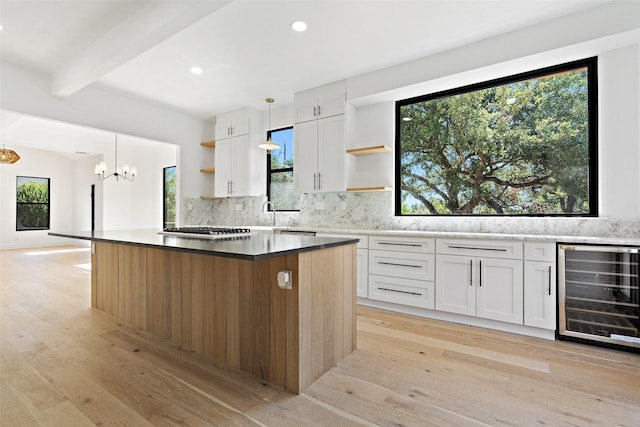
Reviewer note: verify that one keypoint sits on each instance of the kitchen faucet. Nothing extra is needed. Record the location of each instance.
(273, 206)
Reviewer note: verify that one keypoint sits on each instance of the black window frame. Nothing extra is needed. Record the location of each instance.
(592, 105)
(272, 171)
(48, 204)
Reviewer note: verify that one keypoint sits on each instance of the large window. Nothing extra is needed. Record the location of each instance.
(169, 197)
(521, 145)
(280, 171)
(32, 203)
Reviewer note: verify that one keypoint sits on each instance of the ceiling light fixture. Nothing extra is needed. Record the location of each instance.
(8, 157)
(126, 172)
(196, 70)
(299, 26)
(269, 144)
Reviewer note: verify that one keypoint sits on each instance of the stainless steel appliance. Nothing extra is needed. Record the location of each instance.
(204, 232)
(598, 294)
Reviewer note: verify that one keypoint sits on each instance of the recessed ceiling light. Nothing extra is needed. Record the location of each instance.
(197, 70)
(299, 26)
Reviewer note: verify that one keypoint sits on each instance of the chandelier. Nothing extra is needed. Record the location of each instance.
(124, 172)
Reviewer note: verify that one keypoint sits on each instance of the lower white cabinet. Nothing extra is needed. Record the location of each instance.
(484, 287)
(416, 293)
(540, 285)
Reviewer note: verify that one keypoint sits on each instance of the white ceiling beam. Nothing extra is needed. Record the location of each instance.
(150, 26)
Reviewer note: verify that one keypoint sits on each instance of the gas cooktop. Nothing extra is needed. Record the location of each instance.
(209, 232)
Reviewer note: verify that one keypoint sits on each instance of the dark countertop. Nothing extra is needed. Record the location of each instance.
(258, 245)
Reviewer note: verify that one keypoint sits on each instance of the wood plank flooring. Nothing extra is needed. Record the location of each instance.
(64, 364)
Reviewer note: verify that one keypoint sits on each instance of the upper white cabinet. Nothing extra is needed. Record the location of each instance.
(239, 162)
(480, 278)
(319, 141)
(321, 102)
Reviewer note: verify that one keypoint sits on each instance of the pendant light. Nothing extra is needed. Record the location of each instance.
(8, 157)
(269, 144)
(126, 172)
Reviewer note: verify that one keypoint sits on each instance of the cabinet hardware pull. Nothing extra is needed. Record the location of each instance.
(476, 249)
(480, 272)
(319, 179)
(314, 181)
(414, 245)
(314, 111)
(399, 265)
(549, 280)
(470, 272)
(319, 110)
(400, 292)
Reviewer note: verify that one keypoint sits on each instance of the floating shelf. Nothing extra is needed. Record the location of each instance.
(361, 189)
(210, 144)
(375, 149)
(207, 197)
(208, 170)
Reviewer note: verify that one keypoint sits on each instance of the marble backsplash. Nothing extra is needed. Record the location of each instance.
(374, 210)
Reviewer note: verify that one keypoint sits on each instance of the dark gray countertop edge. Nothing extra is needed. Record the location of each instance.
(249, 257)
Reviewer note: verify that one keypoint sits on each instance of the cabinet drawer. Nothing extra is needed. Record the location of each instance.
(486, 248)
(402, 244)
(417, 293)
(402, 264)
(540, 251)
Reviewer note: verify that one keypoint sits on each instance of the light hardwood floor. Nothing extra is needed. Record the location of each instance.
(64, 364)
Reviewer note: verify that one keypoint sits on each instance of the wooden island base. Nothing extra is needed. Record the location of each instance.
(232, 309)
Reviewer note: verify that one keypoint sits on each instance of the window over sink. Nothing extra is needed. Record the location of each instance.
(280, 189)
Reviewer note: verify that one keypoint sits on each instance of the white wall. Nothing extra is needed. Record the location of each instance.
(42, 164)
(29, 92)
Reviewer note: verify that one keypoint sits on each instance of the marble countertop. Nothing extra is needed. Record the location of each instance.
(259, 244)
(626, 241)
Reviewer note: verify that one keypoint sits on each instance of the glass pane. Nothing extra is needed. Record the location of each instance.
(282, 193)
(520, 148)
(283, 157)
(32, 190)
(169, 197)
(32, 217)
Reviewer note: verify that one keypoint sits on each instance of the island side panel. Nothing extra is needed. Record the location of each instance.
(327, 301)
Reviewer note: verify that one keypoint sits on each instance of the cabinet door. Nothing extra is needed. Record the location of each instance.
(331, 104)
(305, 143)
(455, 284)
(240, 165)
(223, 167)
(362, 289)
(540, 294)
(331, 154)
(499, 290)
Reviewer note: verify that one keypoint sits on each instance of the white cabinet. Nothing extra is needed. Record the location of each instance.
(321, 102)
(540, 284)
(239, 162)
(320, 155)
(320, 131)
(480, 278)
(401, 270)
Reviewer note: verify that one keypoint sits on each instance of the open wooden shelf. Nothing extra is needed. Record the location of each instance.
(361, 189)
(210, 144)
(375, 149)
(208, 170)
(207, 197)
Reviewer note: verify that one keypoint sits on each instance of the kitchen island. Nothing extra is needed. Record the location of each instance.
(221, 297)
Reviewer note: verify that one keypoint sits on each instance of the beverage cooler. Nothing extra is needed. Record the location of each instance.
(598, 295)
